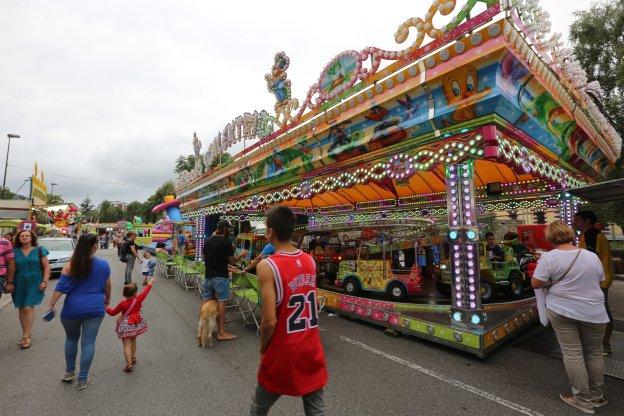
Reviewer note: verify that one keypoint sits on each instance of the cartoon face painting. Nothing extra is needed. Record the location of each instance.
(460, 88)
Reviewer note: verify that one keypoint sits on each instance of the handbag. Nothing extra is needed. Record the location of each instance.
(125, 315)
(540, 295)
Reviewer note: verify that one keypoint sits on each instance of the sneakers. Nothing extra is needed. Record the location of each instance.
(585, 407)
(606, 350)
(82, 384)
(69, 377)
(599, 402)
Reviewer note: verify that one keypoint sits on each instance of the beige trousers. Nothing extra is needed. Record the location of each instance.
(581, 345)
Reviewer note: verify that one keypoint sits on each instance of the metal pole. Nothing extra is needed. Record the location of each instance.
(6, 164)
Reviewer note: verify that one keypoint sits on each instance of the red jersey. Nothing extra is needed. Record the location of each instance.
(294, 362)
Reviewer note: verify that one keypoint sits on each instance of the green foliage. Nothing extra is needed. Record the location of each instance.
(87, 209)
(55, 200)
(222, 160)
(597, 38)
(134, 209)
(184, 163)
(156, 199)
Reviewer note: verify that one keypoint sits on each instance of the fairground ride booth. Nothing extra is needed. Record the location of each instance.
(491, 115)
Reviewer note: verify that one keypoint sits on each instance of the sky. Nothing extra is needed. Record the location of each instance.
(106, 95)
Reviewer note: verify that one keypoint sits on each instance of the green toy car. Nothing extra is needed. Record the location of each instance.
(504, 276)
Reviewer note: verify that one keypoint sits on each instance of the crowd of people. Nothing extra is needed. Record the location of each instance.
(574, 277)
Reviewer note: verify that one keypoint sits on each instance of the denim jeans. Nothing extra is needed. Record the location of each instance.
(130, 259)
(263, 400)
(86, 330)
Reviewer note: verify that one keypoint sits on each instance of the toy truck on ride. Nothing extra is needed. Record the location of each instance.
(380, 269)
(505, 276)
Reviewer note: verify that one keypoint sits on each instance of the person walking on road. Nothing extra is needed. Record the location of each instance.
(7, 265)
(595, 241)
(85, 282)
(292, 357)
(130, 253)
(218, 256)
(131, 324)
(32, 272)
(576, 310)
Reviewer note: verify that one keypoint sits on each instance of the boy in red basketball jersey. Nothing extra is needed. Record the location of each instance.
(292, 357)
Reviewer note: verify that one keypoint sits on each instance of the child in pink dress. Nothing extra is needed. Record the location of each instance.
(131, 324)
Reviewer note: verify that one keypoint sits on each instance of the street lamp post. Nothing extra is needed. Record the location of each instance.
(6, 163)
(52, 191)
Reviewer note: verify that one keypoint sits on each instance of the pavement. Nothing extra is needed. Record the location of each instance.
(370, 373)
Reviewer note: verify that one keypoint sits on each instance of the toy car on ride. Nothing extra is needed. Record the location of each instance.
(380, 270)
(504, 276)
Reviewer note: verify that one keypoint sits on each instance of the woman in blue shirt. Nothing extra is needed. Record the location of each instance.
(85, 282)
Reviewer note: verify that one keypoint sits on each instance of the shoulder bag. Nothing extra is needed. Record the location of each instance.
(540, 294)
(125, 315)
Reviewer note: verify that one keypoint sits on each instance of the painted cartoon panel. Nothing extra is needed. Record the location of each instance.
(494, 84)
(540, 116)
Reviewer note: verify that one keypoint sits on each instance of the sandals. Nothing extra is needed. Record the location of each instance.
(26, 343)
(128, 368)
(133, 360)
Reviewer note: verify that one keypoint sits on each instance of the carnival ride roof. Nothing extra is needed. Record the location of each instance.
(486, 90)
(601, 192)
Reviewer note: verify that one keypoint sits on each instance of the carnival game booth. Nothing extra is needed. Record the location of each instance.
(491, 115)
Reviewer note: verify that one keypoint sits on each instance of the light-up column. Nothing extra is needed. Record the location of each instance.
(463, 238)
(200, 236)
(567, 208)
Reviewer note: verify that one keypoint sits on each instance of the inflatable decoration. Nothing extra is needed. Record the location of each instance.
(172, 208)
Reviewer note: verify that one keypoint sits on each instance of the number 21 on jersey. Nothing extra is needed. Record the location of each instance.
(298, 304)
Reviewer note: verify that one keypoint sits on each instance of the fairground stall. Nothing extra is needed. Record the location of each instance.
(492, 115)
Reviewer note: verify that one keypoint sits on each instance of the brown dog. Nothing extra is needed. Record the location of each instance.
(207, 323)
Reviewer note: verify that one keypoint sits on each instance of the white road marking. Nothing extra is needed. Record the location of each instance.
(445, 379)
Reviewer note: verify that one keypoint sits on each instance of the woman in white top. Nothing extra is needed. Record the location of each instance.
(575, 308)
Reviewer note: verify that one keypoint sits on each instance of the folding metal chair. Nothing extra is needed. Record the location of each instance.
(251, 301)
(237, 294)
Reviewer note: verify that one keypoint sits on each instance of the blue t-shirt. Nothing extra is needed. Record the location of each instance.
(268, 250)
(181, 239)
(84, 297)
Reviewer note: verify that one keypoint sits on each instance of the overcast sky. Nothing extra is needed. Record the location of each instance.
(113, 90)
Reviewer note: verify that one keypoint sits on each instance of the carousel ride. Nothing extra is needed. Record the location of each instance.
(492, 115)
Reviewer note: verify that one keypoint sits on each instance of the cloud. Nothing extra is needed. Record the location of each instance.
(114, 90)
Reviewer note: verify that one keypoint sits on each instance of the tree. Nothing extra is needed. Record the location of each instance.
(184, 163)
(87, 208)
(134, 209)
(105, 211)
(597, 38)
(55, 200)
(156, 199)
(222, 160)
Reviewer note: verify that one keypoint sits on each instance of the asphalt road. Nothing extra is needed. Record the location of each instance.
(370, 373)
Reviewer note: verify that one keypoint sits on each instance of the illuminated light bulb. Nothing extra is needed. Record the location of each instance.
(474, 321)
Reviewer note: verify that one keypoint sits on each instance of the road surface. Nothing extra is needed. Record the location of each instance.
(370, 373)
